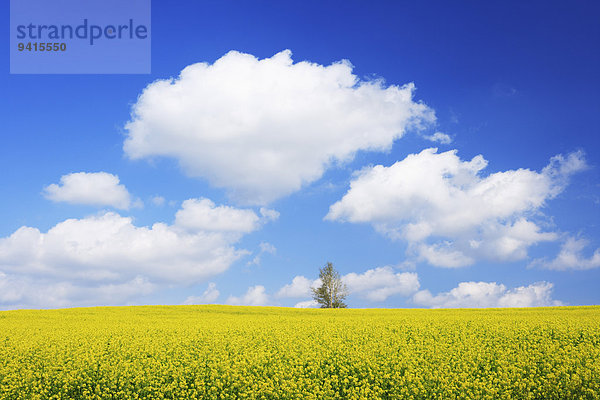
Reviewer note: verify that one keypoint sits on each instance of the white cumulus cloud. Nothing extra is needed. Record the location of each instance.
(489, 294)
(380, 283)
(90, 188)
(571, 257)
(102, 253)
(449, 213)
(307, 304)
(269, 214)
(439, 137)
(255, 296)
(374, 284)
(110, 247)
(265, 247)
(443, 255)
(18, 291)
(300, 287)
(204, 215)
(210, 295)
(264, 128)
(158, 201)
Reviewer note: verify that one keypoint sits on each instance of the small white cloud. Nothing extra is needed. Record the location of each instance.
(406, 265)
(158, 201)
(265, 128)
(265, 247)
(137, 203)
(300, 287)
(449, 214)
(210, 295)
(489, 294)
(269, 214)
(204, 215)
(439, 137)
(454, 117)
(307, 304)
(443, 255)
(561, 168)
(571, 257)
(255, 296)
(380, 283)
(503, 90)
(90, 188)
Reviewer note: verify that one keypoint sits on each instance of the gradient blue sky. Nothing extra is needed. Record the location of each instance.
(514, 82)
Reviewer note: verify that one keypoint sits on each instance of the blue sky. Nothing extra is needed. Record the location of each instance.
(259, 168)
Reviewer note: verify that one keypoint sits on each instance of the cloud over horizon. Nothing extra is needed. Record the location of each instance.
(448, 213)
(209, 296)
(489, 294)
(375, 285)
(104, 252)
(255, 296)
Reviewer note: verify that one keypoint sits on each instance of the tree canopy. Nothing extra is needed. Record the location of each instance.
(333, 290)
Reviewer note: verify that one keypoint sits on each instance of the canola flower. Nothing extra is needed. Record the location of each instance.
(226, 352)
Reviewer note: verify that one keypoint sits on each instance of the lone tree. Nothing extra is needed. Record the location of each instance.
(333, 291)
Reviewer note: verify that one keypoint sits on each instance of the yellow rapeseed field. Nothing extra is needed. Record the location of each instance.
(222, 352)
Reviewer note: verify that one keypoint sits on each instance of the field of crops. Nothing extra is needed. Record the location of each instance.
(221, 352)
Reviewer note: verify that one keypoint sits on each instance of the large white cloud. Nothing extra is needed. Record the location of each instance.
(571, 257)
(109, 251)
(489, 294)
(448, 212)
(264, 128)
(110, 247)
(90, 188)
(18, 291)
